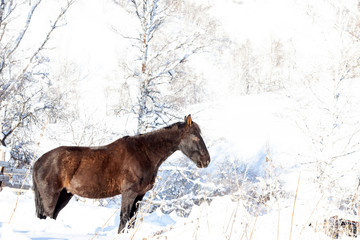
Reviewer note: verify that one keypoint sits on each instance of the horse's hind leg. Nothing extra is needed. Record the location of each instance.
(63, 199)
(38, 201)
(50, 200)
(47, 192)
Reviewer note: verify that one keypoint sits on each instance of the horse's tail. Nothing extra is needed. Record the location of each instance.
(38, 202)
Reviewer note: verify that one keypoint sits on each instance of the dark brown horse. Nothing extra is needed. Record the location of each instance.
(127, 166)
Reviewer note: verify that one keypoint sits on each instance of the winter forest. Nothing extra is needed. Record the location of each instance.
(273, 84)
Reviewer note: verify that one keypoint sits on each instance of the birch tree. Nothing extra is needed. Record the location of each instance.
(169, 33)
(27, 94)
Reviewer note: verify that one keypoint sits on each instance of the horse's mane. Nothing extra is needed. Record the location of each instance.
(181, 125)
(174, 126)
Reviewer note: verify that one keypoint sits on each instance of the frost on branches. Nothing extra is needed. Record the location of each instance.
(163, 80)
(27, 94)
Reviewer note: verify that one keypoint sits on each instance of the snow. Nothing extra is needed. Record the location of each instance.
(267, 141)
(223, 218)
(246, 129)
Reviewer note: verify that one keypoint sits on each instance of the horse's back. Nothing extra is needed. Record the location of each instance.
(63, 158)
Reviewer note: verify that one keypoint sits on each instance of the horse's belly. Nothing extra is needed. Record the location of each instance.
(94, 189)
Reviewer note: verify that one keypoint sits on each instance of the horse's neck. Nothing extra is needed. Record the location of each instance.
(161, 144)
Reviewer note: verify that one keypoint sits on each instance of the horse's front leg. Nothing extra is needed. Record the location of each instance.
(134, 209)
(127, 200)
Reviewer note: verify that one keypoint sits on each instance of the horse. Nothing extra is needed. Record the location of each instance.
(128, 166)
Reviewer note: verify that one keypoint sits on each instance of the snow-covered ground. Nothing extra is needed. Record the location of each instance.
(223, 218)
(246, 130)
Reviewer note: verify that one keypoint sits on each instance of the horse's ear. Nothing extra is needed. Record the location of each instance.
(188, 120)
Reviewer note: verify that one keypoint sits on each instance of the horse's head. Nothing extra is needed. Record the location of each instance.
(192, 144)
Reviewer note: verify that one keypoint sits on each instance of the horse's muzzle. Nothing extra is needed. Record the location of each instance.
(204, 162)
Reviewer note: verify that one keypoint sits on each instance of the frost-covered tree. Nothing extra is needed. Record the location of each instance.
(27, 94)
(262, 70)
(169, 33)
(329, 111)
